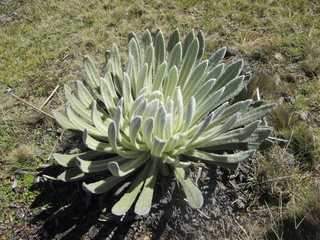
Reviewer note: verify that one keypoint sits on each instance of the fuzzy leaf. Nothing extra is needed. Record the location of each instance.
(193, 194)
(147, 128)
(171, 144)
(81, 124)
(140, 102)
(146, 40)
(160, 122)
(159, 48)
(160, 76)
(143, 204)
(68, 160)
(148, 59)
(202, 128)
(175, 56)
(151, 109)
(232, 71)
(126, 91)
(74, 174)
(157, 147)
(255, 114)
(196, 76)
(239, 107)
(126, 201)
(187, 42)
(201, 44)
(173, 40)
(218, 158)
(134, 128)
(135, 53)
(232, 89)
(171, 82)
(63, 121)
(116, 67)
(189, 114)
(188, 62)
(104, 185)
(84, 95)
(96, 145)
(122, 168)
(91, 72)
(217, 57)
(142, 77)
(168, 131)
(96, 165)
(218, 130)
(118, 116)
(202, 93)
(214, 73)
(234, 136)
(208, 105)
(101, 125)
(109, 96)
(178, 106)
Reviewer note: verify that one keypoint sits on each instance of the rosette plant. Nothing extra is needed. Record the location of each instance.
(166, 111)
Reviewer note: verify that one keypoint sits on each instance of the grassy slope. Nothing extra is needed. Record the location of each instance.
(42, 44)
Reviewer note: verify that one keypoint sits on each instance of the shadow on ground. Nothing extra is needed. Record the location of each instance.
(71, 213)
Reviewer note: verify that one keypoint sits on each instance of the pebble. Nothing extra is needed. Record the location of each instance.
(278, 56)
(230, 52)
(303, 116)
(288, 99)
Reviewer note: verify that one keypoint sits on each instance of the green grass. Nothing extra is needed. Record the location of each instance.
(43, 41)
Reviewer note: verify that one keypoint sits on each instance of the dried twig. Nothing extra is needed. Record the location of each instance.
(258, 94)
(242, 228)
(10, 91)
(49, 177)
(114, 230)
(259, 98)
(202, 213)
(278, 139)
(198, 175)
(297, 226)
(51, 95)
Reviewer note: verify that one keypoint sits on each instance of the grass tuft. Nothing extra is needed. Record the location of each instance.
(23, 155)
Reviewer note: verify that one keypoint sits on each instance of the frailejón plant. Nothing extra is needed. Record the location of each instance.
(166, 111)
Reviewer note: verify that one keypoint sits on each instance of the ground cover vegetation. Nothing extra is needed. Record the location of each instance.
(43, 44)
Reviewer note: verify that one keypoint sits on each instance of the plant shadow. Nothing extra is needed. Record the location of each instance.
(68, 212)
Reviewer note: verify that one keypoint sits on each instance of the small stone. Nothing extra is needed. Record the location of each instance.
(287, 158)
(230, 52)
(281, 100)
(288, 99)
(59, 130)
(14, 184)
(241, 204)
(278, 56)
(74, 151)
(303, 116)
